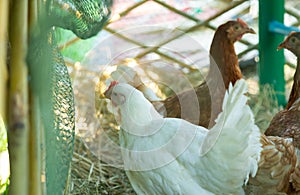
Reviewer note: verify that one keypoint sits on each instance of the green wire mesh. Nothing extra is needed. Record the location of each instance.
(85, 17)
(50, 81)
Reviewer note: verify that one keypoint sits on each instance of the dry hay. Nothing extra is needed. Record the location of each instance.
(89, 175)
(264, 106)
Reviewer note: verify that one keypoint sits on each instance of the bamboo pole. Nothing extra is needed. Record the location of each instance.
(35, 149)
(3, 48)
(129, 9)
(35, 152)
(293, 13)
(191, 29)
(68, 43)
(191, 68)
(41, 11)
(18, 99)
(33, 13)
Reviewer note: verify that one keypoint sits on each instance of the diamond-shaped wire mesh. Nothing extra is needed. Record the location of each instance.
(51, 84)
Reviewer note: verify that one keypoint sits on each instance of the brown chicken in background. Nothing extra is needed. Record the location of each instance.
(202, 104)
(286, 123)
(276, 167)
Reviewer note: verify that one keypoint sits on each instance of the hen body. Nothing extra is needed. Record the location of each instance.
(286, 123)
(275, 168)
(224, 68)
(174, 156)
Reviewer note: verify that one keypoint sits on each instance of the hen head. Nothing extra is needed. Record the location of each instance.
(292, 43)
(122, 93)
(235, 29)
(131, 109)
(114, 95)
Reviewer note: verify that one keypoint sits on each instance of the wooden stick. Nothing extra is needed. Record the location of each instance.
(3, 48)
(18, 120)
(191, 68)
(191, 29)
(35, 167)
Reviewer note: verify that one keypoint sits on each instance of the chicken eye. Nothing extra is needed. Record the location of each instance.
(293, 40)
(236, 27)
(114, 94)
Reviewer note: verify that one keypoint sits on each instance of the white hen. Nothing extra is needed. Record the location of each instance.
(161, 155)
(125, 74)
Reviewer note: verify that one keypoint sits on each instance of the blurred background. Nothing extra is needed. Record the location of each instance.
(179, 33)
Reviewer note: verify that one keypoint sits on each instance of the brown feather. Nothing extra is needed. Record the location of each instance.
(295, 93)
(286, 123)
(277, 163)
(224, 68)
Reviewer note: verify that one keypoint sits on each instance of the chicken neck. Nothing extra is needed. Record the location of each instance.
(223, 60)
(294, 100)
(137, 114)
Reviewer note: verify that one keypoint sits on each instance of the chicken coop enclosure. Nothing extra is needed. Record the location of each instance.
(149, 48)
(165, 41)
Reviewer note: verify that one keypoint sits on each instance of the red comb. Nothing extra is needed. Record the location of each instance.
(242, 22)
(107, 93)
(112, 84)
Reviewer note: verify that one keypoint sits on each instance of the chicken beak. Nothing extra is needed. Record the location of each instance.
(250, 30)
(246, 28)
(108, 92)
(280, 46)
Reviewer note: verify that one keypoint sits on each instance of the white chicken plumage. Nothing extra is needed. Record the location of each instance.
(125, 74)
(173, 156)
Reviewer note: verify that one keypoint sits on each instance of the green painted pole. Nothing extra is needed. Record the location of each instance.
(271, 61)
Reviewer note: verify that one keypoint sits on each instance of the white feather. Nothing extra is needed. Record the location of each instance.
(125, 74)
(161, 155)
(232, 147)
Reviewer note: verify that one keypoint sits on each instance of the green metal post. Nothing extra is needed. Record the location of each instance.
(271, 61)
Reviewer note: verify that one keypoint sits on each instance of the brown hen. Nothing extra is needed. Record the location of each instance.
(276, 166)
(286, 123)
(202, 104)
